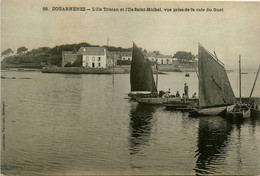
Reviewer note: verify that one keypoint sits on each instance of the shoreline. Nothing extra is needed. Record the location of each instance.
(82, 70)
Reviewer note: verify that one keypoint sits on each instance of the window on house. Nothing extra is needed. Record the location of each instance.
(129, 58)
(99, 58)
(93, 58)
(87, 58)
(99, 64)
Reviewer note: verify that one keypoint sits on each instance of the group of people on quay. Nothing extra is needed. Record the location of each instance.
(185, 95)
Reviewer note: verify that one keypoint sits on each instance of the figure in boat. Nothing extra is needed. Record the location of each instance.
(186, 90)
(194, 95)
(177, 94)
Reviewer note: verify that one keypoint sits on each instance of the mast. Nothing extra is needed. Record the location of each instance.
(113, 69)
(240, 100)
(254, 84)
(156, 75)
(107, 41)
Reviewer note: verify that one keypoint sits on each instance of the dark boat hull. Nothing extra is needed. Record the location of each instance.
(218, 110)
(181, 105)
(156, 100)
(255, 113)
(135, 95)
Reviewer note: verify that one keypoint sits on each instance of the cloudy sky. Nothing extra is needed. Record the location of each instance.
(234, 31)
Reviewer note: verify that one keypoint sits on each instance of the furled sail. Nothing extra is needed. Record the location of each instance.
(214, 85)
(141, 75)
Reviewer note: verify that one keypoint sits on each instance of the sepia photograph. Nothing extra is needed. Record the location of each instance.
(120, 87)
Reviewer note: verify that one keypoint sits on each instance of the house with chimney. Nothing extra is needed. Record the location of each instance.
(93, 57)
(89, 57)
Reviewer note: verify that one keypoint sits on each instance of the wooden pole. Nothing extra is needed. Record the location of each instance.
(113, 70)
(254, 84)
(157, 77)
(240, 100)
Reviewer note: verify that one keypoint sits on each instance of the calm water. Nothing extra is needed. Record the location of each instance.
(83, 124)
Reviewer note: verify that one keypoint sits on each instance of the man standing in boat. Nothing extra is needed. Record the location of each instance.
(186, 90)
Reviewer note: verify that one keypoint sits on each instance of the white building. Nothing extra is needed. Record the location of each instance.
(126, 56)
(164, 59)
(151, 56)
(94, 57)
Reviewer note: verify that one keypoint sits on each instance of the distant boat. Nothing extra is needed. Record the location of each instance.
(215, 92)
(141, 76)
(187, 75)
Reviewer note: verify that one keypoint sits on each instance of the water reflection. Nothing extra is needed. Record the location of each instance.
(140, 126)
(213, 138)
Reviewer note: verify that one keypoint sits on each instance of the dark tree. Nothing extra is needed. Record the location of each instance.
(184, 56)
(7, 51)
(157, 52)
(22, 49)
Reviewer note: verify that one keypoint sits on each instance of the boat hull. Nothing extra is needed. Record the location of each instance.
(181, 105)
(255, 113)
(156, 100)
(134, 95)
(238, 111)
(210, 111)
(242, 114)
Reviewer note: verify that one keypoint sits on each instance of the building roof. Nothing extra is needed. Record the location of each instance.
(164, 56)
(69, 52)
(151, 54)
(92, 51)
(127, 54)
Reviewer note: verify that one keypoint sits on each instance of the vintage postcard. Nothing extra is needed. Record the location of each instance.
(130, 87)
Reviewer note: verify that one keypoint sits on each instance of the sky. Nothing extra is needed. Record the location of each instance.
(232, 32)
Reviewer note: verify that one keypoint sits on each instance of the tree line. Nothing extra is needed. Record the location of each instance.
(181, 56)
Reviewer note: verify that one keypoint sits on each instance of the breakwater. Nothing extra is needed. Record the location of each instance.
(83, 70)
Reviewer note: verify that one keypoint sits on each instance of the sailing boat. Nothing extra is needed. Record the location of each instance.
(215, 92)
(240, 110)
(254, 105)
(141, 76)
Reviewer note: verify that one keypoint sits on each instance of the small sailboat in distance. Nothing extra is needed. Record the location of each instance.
(215, 92)
(141, 76)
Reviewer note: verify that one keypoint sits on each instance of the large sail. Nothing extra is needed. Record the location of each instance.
(214, 86)
(141, 75)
